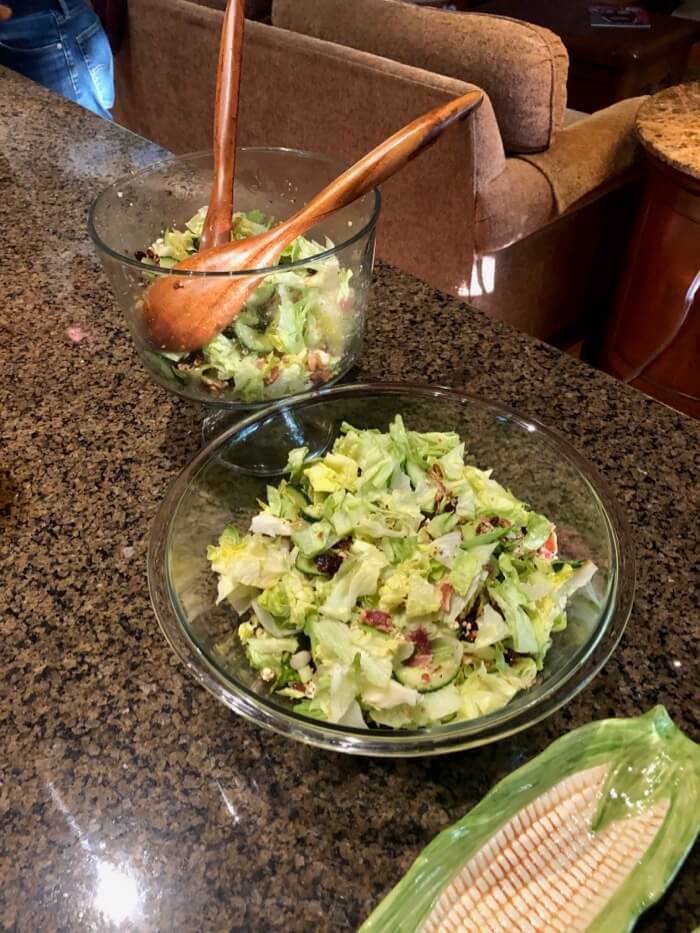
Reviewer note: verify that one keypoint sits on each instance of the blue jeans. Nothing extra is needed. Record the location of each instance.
(63, 47)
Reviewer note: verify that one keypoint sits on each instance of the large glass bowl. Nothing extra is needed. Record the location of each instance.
(325, 295)
(222, 483)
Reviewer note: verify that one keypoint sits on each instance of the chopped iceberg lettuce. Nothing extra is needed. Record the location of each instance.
(389, 584)
(295, 331)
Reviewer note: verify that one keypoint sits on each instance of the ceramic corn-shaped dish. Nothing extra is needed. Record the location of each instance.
(584, 837)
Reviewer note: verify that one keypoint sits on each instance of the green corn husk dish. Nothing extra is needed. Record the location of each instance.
(585, 836)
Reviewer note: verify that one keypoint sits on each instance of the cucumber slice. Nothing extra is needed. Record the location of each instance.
(251, 338)
(307, 565)
(445, 660)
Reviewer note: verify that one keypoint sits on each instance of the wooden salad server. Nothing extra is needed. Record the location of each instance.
(217, 224)
(184, 312)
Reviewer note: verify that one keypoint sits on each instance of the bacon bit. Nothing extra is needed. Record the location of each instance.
(549, 548)
(271, 376)
(320, 376)
(154, 257)
(435, 473)
(216, 385)
(346, 304)
(425, 678)
(446, 590)
(140, 255)
(315, 361)
(419, 660)
(378, 620)
(488, 524)
(298, 685)
(344, 545)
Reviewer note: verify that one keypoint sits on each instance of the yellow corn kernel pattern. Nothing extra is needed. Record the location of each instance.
(545, 870)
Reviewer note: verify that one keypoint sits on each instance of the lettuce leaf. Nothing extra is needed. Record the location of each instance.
(358, 576)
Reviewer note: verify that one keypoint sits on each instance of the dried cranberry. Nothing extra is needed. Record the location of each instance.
(420, 638)
(328, 563)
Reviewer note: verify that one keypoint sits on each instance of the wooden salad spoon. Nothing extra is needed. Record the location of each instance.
(184, 312)
(217, 224)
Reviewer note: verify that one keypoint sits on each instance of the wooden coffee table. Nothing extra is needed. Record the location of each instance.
(653, 340)
(607, 65)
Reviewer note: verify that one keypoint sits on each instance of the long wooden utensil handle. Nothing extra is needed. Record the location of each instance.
(217, 225)
(380, 163)
(187, 313)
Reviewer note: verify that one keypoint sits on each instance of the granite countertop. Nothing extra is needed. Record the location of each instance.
(127, 793)
(668, 124)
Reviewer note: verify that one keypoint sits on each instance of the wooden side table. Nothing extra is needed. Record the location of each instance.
(653, 340)
(607, 65)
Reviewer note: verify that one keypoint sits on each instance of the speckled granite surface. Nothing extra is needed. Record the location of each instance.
(127, 794)
(668, 125)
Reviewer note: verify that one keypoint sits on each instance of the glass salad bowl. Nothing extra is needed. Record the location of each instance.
(303, 325)
(222, 484)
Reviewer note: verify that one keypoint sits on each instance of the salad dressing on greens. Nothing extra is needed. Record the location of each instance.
(390, 584)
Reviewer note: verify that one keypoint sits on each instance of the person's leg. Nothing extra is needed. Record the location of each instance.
(65, 49)
(31, 45)
(88, 54)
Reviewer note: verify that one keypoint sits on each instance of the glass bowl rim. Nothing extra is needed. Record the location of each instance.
(431, 740)
(134, 263)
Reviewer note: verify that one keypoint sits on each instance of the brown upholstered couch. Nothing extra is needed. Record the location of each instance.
(522, 209)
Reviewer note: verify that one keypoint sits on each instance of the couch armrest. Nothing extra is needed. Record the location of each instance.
(522, 67)
(589, 157)
(511, 207)
(590, 153)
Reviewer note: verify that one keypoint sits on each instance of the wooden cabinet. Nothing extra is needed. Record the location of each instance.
(653, 339)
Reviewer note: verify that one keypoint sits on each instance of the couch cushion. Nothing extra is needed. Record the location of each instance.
(521, 67)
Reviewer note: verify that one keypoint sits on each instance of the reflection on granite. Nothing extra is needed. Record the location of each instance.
(668, 125)
(128, 795)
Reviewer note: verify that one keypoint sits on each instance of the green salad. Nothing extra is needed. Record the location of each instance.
(294, 331)
(388, 583)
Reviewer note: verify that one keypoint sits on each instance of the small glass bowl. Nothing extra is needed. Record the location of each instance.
(222, 484)
(126, 218)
